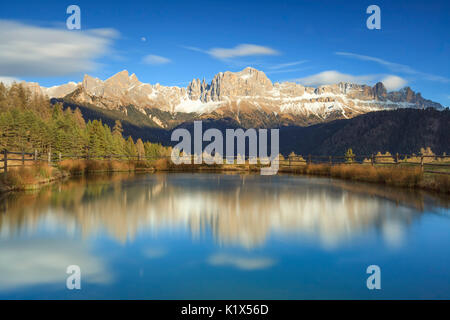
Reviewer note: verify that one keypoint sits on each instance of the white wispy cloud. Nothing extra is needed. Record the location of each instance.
(396, 67)
(333, 76)
(155, 60)
(194, 49)
(241, 50)
(27, 50)
(286, 70)
(391, 82)
(287, 65)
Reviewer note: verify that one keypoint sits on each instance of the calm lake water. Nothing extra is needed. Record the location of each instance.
(219, 236)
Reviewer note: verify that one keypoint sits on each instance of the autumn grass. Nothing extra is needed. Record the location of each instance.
(166, 164)
(162, 164)
(88, 166)
(29, 177)
(437, 182)
(399, 176)
(389, 175)
(32, 176)
(394, 176)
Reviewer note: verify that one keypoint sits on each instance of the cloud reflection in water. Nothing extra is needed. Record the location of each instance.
(236, 210)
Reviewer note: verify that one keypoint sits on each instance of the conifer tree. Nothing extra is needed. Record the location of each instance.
(140, 149)
(130, 148)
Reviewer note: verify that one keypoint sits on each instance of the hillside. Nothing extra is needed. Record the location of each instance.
(402, 131)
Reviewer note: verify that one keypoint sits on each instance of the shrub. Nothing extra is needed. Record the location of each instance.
(162, 164)
(85, 166)
(73, 166)
(21, 177)
(319, 169)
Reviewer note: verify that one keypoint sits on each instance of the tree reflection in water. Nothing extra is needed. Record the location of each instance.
(239, 210)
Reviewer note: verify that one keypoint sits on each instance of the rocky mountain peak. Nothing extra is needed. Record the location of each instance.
(121, 79)
(248, 82)
(409, 94)
(87, 78)
(92, 85)
(134, 78)
(379, 90)
(121, 74)
(249, 71)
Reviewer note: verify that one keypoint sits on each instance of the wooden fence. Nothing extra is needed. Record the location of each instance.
(9, 159)
(20, 158)
(439, 164)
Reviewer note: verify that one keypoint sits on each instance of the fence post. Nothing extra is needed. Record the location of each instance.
(35, 155)
(373, 159)
(59, 156)
(396, 158)
(5, 159)
(421, 162)
(49, 157)
(23, 158)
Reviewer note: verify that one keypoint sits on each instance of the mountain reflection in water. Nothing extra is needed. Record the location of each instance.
(243, 210)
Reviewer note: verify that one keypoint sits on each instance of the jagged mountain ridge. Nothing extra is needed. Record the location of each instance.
(248, 97)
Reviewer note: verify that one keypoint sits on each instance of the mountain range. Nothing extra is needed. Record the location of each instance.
(247, 98)
(326, 120)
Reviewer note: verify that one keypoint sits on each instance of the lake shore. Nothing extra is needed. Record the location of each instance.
(33, 177)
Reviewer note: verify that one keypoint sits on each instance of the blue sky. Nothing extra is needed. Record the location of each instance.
(171, 42)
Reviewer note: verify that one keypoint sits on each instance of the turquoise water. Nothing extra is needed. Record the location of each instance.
(215, 236)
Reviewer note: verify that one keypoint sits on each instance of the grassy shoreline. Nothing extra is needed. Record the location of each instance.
(30, 177)
(403, 176)
(33, 177)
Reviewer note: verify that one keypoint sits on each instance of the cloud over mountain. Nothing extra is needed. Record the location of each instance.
(391, 82)
(333, 76)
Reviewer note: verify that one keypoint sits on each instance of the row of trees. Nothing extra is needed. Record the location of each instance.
(350, 157)
(28, 122)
